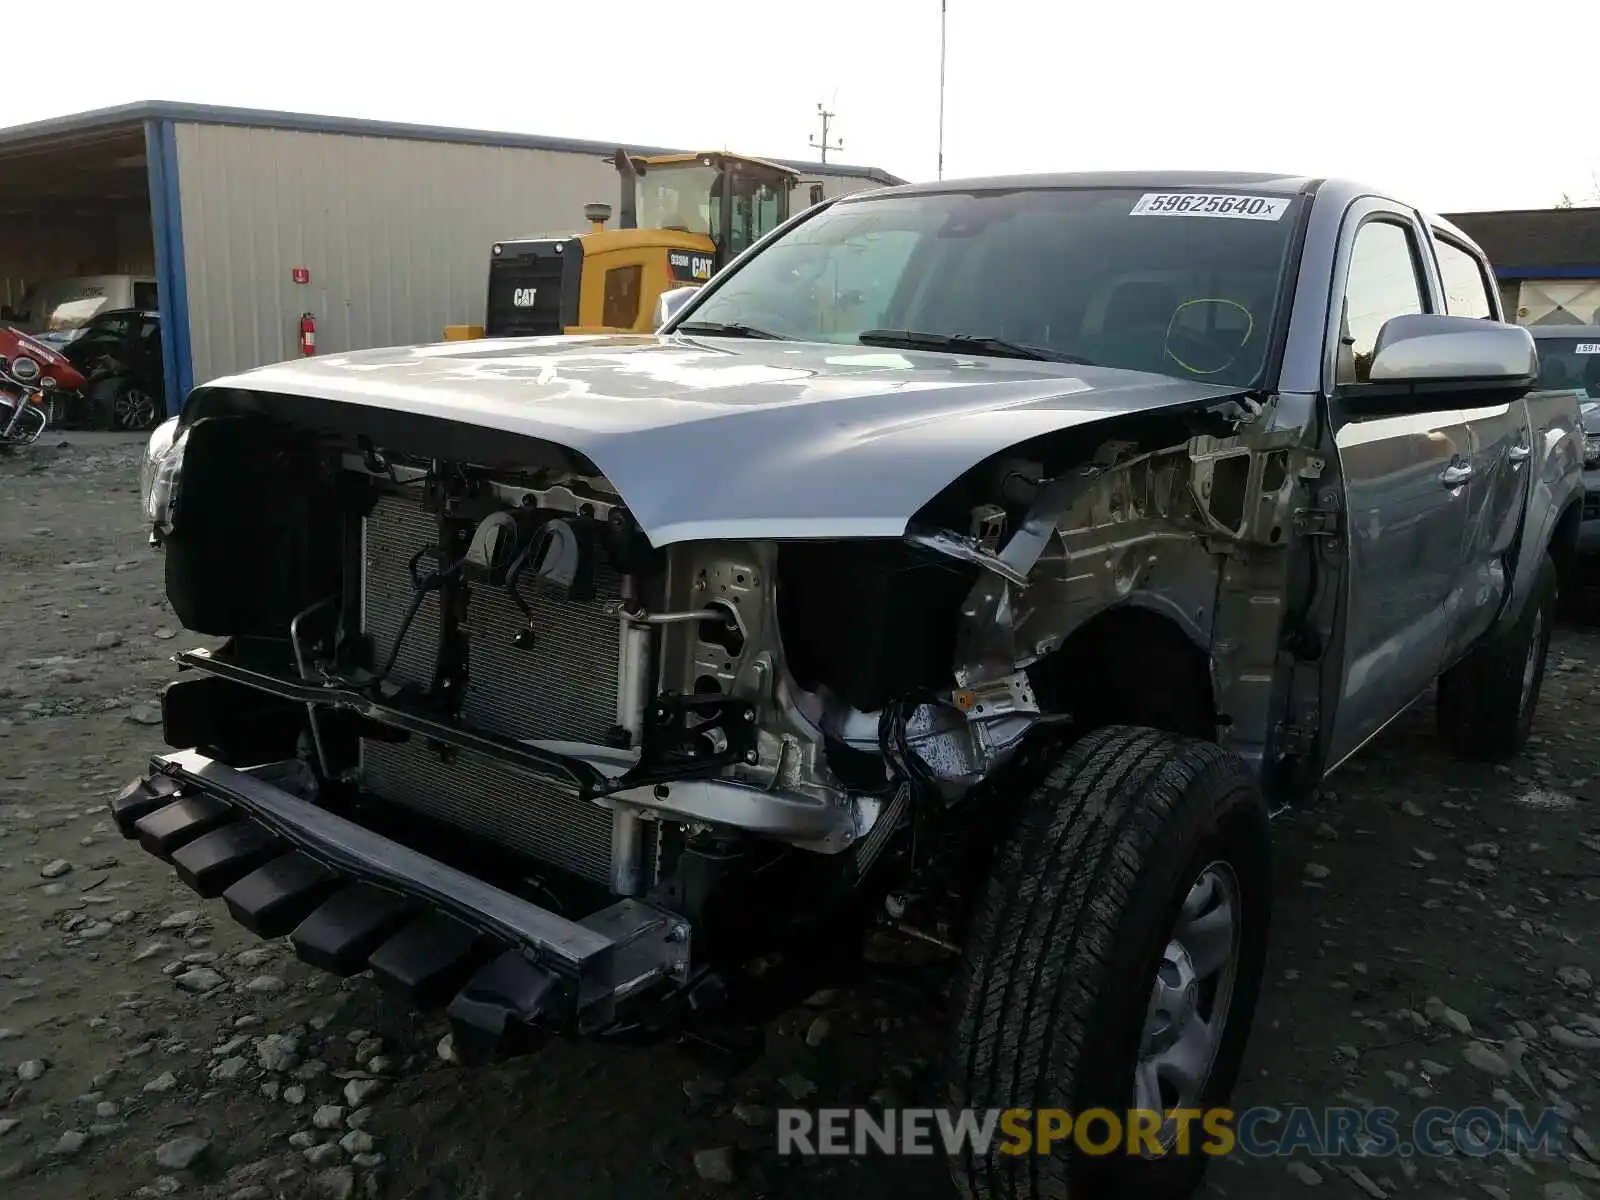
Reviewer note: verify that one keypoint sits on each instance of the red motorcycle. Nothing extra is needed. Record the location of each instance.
(31, 377)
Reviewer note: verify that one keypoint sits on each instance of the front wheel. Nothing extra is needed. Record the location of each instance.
(1114, 965)
(27, 426)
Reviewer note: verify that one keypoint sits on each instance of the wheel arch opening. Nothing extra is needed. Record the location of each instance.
(1564, 539)
(1130, 665)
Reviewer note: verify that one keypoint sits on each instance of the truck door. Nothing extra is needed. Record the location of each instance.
(1502, 443)
(1406, 474)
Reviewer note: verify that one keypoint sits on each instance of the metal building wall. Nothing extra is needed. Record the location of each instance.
(833, 185)
(395, 233)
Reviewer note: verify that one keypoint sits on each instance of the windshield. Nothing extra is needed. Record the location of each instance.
(1183, 284)
(1570, 363)
(74, 314)
(678, 198)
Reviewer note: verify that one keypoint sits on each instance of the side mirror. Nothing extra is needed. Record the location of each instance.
(670, 303)
(1430, 354)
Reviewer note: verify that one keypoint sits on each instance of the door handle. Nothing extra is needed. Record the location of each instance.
(1455, 474)
(1519, 453)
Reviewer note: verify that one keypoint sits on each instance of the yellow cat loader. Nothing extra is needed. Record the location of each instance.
(682, 216)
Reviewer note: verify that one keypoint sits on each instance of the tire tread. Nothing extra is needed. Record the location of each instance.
(1045, 932)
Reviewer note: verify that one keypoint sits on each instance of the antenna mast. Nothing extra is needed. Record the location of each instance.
(942, 4)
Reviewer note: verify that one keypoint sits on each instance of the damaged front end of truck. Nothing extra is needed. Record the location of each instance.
(556, 760)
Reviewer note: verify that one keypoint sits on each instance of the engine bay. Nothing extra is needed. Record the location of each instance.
(496, 646)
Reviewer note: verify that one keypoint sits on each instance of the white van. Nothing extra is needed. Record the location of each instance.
(56, 310)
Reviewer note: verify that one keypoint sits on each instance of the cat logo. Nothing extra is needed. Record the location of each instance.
(524, 297)
(686, 266)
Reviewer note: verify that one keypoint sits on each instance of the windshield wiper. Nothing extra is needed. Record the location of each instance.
(912, 339)
(729, 329)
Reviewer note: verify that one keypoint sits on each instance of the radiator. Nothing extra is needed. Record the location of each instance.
(564, 686)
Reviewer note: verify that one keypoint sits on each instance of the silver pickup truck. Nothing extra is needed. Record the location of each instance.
(1569, 361)
(993, 554)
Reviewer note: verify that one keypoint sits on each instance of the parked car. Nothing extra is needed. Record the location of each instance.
(120, 352)
(1569, 359)
(995, 552)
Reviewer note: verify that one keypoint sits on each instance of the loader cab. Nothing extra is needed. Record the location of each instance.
(731, 200)
(680, 218)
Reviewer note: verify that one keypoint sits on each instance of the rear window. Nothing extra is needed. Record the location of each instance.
(1466, 292)
(1570, 363)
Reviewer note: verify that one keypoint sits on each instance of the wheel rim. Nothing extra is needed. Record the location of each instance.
(29, 425)
(1530, 666)
(133, 408)
(1189, 1000)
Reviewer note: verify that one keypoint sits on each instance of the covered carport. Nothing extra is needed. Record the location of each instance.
(90, 197)
(273, 234)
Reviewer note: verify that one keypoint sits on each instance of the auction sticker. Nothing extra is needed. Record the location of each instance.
(1587, 348)
(1210, 204)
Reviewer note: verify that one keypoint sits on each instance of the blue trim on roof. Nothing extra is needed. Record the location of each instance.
(166, 221)
(168, 111)
(1580, 271)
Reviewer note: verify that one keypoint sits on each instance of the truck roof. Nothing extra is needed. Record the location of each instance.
(1565, 331)
(1271, 183)
(690, 156)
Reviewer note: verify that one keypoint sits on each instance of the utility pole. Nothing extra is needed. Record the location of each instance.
(942, 4)
(824, 145)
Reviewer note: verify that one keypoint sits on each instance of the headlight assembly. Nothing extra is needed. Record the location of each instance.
(160, 474)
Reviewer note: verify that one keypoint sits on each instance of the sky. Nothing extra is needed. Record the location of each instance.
(1450, 112)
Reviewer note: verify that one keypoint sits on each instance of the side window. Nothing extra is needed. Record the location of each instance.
(769, 211)
(1383, 283)
(110, 329)
(1465, 292)
(741, 231)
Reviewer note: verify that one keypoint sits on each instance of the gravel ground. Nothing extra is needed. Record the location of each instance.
(1433, 946)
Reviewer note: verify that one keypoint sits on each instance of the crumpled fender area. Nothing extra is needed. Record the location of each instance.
(1193, 533)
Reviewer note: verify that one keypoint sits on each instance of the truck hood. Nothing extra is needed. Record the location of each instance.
(731, 438)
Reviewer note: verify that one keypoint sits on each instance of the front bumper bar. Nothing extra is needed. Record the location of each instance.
(351, 899)
(601, 774)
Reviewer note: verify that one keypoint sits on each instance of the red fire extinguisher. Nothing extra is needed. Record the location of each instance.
(308, 334)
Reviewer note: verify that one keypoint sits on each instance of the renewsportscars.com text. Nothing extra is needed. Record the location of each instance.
(1261, 1132)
